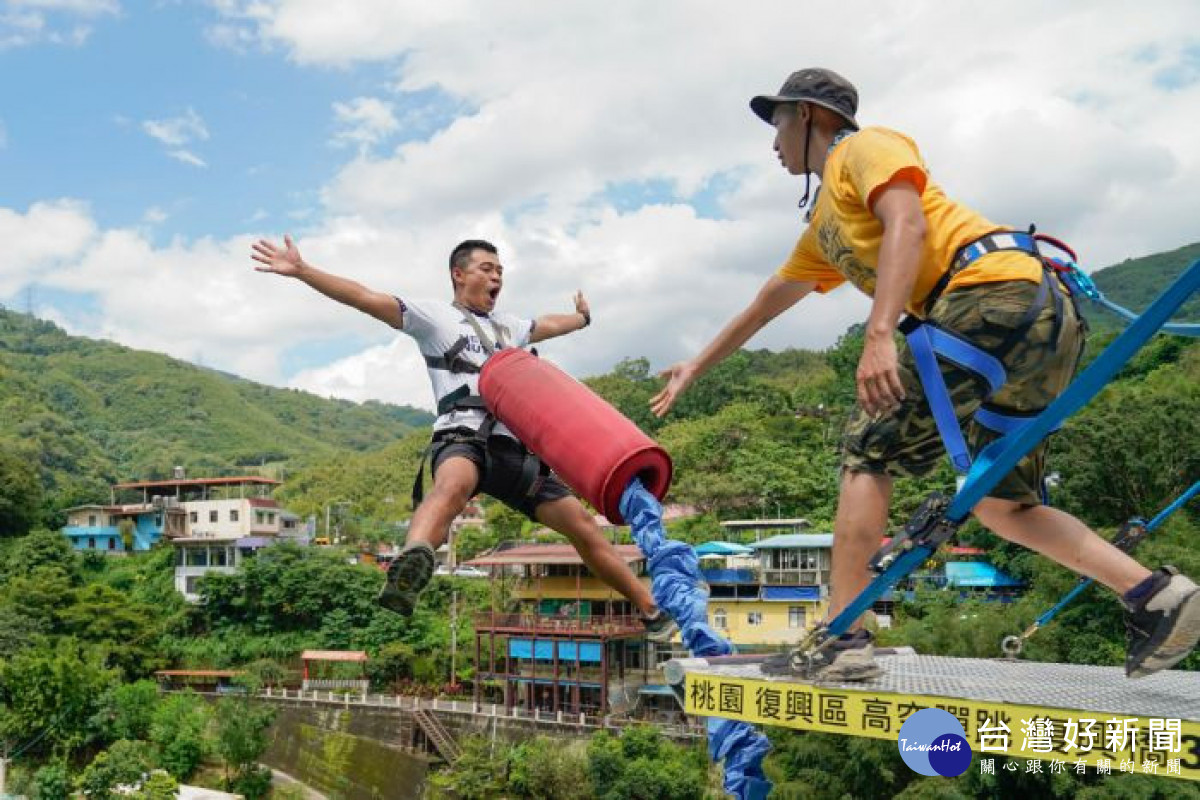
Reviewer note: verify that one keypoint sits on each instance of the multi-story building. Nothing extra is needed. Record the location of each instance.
(775, 601)
(213, 523)
(572, 644)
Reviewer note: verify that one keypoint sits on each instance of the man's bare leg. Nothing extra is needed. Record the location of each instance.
(1063, 538)
(568, 516)
(454, 482)
(858, 529)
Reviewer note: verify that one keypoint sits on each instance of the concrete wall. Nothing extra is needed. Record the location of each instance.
(345, 754)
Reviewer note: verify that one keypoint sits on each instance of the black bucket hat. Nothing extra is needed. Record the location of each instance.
(824, 87)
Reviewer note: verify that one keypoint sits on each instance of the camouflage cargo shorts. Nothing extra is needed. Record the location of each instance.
(905, 442)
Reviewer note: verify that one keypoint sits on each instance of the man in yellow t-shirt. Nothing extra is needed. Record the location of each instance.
(879, 222)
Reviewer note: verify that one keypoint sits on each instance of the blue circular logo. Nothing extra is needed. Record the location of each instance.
(933, 742)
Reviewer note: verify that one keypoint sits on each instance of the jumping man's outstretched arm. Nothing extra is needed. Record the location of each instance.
(288, 261)
(548, 326)
(776, 296)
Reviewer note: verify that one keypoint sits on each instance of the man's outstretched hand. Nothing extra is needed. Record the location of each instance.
(281, 261)
(679, 378)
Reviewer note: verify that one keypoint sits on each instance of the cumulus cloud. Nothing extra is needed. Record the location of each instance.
(364, 122)
(1082, 122)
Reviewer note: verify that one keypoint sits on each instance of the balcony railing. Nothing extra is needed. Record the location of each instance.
(795, 577)
(717, 575)
(540, 623)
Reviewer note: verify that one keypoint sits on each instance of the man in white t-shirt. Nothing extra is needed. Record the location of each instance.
(471, 452)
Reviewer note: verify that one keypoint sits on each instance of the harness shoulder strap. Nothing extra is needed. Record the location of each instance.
(489, 346)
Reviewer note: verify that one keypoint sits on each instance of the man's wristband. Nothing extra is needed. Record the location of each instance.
(587, 318)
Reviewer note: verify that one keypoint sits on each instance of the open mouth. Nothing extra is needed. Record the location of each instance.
(494, 292)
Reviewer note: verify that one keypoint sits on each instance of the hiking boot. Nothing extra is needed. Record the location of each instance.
(851, 657)
(660, 627)
(407, 575)
(1162, 622)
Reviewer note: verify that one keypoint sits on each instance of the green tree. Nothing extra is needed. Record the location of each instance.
(20, 494)
(477, 774)
(126, 711)
(52, 782)
(48, 693)
(241, 735)
(640, 763)
(158, 785)
(177, 731)
(123, 764)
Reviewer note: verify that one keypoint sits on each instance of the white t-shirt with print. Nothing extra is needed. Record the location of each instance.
(437, 325)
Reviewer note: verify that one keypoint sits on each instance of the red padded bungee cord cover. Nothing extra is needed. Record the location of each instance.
(592, 446)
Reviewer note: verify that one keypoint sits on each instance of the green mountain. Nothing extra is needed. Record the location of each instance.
(1135, 282)
(91, 412)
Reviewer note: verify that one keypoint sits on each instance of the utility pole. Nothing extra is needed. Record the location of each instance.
(453, 639)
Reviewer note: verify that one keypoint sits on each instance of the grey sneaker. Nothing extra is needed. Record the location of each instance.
(1163, 627)
(660, 628)
(850, 658)
(407, 575)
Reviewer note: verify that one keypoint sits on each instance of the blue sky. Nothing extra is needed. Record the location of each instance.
(604, 147)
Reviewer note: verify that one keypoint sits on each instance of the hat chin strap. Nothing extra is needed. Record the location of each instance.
(807, 173)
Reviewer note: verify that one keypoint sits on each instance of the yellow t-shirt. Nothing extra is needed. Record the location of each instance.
(842, 241)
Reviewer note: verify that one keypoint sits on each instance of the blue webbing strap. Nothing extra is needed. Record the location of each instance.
(1082, 284)
(938, 397)
(675, 583)
(1005, 424)
(999, 458)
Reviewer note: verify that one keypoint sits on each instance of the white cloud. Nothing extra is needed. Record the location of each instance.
(29, 22)
(364, 122)
(155, 216)
(44, 238)
(177, 131)
(187, 157)
(1083, 122)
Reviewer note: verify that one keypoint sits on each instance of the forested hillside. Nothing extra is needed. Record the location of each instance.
(87, 413)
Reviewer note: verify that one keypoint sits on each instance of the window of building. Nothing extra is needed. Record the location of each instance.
(112, 521)
(233, 515)
(720, 620)
(754, 618)
(197, 557)
(194, 516)
(158, 521)
(91, 520)
(259, 517)
(271, 518)
(212, 515)
(91, 543)
(112, 543)
(796, 617)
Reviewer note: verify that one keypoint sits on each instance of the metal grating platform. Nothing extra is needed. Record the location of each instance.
(1171, 694)
(982, 694)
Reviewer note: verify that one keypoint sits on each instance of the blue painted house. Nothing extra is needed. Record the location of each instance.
(98, 527)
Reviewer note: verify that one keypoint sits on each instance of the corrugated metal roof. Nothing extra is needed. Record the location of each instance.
(333, 655)
(977, 574)
(787, 541)
(547, 554)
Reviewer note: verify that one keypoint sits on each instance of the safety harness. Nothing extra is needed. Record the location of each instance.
(533, 470)
(930, 341)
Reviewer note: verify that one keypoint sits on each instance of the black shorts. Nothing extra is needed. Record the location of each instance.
(503, 479)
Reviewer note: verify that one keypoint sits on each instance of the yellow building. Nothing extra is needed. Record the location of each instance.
(776, 600)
